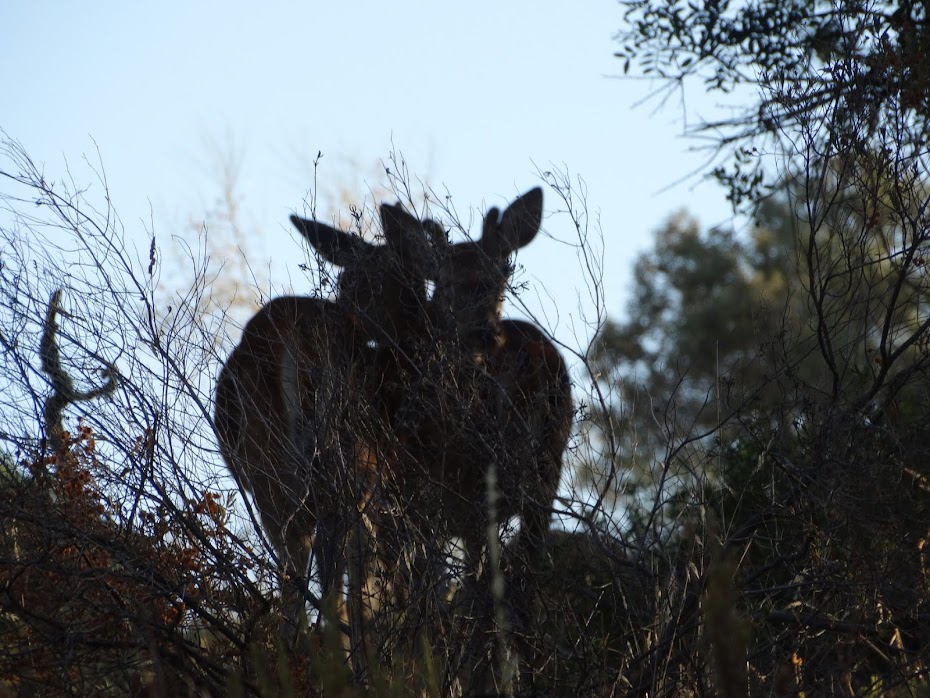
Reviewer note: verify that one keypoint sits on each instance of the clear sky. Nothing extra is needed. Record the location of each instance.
(477, 96)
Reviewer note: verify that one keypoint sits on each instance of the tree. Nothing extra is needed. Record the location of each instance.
(704, 308)
(859, 69)
(812, 473)
(774, 389)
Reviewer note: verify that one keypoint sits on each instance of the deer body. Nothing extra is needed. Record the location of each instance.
(298, 405)
(512, 411)
(490, 419)
(514, 394)
(281, 402)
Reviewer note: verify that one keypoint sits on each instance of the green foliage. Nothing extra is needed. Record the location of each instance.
(775, 388)
(859, 68)
(698, 343)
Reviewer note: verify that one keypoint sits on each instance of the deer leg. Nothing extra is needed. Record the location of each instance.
(529, 561)
(477, 670)
(328, 551)
(294, 578)
(368, 591)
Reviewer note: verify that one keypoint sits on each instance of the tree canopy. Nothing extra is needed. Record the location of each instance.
(832, 74)
(766, 391)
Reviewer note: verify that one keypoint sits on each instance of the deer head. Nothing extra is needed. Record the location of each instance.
(473, 275)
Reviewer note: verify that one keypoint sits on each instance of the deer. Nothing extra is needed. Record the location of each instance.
(520, 358)
(299, 416)
(490, 398)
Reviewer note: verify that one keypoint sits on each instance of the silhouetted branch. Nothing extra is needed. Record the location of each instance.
(63, 390)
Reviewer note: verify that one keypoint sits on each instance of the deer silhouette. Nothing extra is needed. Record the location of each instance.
(484, 412)
(298, 413)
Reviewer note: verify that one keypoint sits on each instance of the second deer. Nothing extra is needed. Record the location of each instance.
(487, 414)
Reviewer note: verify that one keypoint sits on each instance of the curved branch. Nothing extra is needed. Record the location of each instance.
(63, 390)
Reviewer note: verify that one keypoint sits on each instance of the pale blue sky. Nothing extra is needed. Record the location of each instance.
(475, 95)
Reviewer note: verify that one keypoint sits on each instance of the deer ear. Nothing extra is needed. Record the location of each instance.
(398, 226)
(504, 234)
(335, 246)
(410, 237)
(522, 219)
